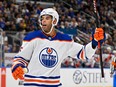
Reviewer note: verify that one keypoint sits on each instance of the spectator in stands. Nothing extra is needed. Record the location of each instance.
(15, 48)
(7, 47)
(5, 37)
(22, 24)
(96, 62)
(1, 7)
(2, 23)
(39, 9)
(108, 57)
(24, 9)
(112, 65)
(114, 38)
(74, 23)
(21, 35)
(4, 40)
(77, 63)
(89, 29)
(110, 20)
(71, 12)
(109, 42)
(68, 62)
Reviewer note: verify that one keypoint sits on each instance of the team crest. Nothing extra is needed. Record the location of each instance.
(48, 57)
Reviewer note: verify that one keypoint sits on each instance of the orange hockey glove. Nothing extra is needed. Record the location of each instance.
(114, 64)
(99, 35)
(18, 72)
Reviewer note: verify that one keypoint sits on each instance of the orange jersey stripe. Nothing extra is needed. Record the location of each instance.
(41, 81)
(82, 54)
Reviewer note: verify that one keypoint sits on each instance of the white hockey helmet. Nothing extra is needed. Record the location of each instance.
(52, 12)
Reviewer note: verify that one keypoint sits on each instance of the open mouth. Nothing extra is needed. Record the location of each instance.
(44, 25)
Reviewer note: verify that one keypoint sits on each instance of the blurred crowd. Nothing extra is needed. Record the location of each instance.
(17, 19)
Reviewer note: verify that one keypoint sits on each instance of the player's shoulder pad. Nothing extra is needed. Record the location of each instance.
(64, 37)
(32, 35)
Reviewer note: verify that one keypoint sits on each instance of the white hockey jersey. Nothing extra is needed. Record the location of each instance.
(43, 56)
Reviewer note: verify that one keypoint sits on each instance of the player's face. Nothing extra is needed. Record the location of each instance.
(46, 22)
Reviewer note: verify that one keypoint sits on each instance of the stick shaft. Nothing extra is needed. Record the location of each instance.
(99, 46)
(101, 62)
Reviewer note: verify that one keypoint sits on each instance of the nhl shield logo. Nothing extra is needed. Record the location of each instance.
(48, 57)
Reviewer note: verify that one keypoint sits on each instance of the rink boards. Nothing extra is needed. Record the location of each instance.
(70, 77)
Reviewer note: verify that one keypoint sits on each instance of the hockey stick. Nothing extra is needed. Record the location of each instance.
(99, 46)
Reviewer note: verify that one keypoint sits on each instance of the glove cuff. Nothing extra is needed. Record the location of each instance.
(94, 43)
(17, 65)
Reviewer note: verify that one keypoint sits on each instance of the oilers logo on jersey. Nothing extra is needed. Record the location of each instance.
(48, 57)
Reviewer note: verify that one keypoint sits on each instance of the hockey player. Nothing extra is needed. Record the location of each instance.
(113, 63)
(44, 50)
(113, 68)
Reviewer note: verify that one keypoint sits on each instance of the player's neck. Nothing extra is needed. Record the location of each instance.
(52, 34)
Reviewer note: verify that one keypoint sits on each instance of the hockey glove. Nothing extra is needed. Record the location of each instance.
(98, 35)
(18, 71)
(113, 66)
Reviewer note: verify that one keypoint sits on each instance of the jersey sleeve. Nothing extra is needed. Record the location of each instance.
(26, 52)
(26, 49)
(24, 55)
(80, 51)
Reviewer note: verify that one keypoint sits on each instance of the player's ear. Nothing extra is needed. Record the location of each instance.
(54, 22)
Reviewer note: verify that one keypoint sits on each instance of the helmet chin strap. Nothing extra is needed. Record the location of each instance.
(50, 29)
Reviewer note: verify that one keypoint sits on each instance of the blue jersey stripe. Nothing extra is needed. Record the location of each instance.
(21, 58)
(78, 55)
(41, 85)
(44, 77)
(85, 53)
